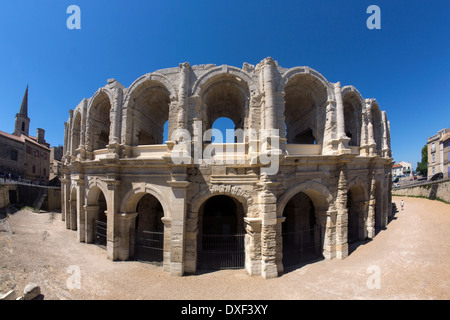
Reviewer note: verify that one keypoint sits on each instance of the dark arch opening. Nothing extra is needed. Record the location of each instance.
(300, 231)
(149, 230)
(220, 243)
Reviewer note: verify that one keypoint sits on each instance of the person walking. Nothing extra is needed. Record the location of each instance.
(402, 203)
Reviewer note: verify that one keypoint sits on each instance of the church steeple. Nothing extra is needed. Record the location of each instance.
(22, 124)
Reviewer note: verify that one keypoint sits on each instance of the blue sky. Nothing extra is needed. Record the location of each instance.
(404, 65)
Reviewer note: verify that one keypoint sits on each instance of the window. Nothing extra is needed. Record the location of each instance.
(34, 169)
(14, 155)
(433, 157)
(433, 147)
(28, 150)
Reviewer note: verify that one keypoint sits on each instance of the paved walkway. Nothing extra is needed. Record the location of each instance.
(408, 260)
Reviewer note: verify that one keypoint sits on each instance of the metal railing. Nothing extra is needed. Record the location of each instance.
(217, 252)
(149, 246)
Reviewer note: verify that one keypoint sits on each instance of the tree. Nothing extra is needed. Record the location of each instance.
(422, 166)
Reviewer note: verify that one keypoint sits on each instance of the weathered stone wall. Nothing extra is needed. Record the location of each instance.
(433, 190)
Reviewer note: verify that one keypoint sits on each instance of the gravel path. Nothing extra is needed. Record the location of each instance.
(408, 260)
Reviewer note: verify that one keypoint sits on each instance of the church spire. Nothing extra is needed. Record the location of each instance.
(24, 107)
(22, 121)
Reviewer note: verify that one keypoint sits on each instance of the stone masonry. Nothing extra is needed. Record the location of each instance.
(331, 146)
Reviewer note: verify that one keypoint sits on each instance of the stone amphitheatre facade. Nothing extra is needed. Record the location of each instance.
(124, 189)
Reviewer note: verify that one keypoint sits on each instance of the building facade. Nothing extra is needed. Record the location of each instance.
(309, 173)
(21, 155)
(438, 153)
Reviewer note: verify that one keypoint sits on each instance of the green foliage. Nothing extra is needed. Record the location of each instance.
(422, 166)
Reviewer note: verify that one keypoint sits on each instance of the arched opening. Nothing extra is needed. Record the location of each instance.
(99, 121)
(301, 232)
(356, 216)
(304, 116)
(23, 126)
(149, 230)
(224, 131)
(151, 102)
(220, 242)
(76, 133)
(96, 217)
(352, 118)
(225, 96)
(377, 127)
(378, 207)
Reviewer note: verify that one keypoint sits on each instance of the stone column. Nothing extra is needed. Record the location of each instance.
(69, 148)
(342, 218)
(371, 139)
(329, 234)
(112, 225)
(65, 197)
(370, 225)
(167, 243)
(253, 246)
(340, 121)
(125, 235)
(271, 241)
(177, 241)
(183, 92)
(72, 222)
(115, 114)
(80, 209)
(91, 213)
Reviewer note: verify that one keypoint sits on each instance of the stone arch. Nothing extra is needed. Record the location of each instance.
(208, 77)
(146, 110)
(319, 194)
(76, 130)
(357, 181)
(95, 185)
(306, 93)
(242, 195)
(353, 109)
(223, 92)
(98, 120)
(301, 71)
(132, 197)
(375, 118)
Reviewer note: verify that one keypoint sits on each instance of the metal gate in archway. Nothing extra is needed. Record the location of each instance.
(100, 233)
(301, 246)
(149, 246)
(219, 252)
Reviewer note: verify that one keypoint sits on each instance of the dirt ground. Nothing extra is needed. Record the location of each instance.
(410, 259)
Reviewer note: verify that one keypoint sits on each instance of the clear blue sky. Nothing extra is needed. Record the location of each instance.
(405, 65)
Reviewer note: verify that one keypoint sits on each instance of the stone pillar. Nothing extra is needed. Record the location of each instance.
(371, 144)
(116, 113)
(370, 225)
(340, 121)
(70, 136)
(253, 246)
(166, 245)
(271, 241)
(91, 213)
(80, 209)
(177, 241)
(65, 197)
(112, 225)
(329, 234)
(72, 222)
(342, 218)
(183, 92)
(125, 235)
